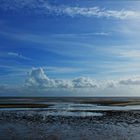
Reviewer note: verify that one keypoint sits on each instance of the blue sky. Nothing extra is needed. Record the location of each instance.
(93, 42)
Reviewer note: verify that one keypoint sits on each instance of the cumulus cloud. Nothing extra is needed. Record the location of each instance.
(109, 83)
(38, 83)
(83, 82)
(43, 7)
(38, 78)
(130, 81)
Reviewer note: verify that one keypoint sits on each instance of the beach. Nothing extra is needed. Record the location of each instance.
(68, 119)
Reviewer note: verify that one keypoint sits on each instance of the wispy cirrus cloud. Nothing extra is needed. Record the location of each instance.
(97, 12)
(130, 54)
(13, 55)
(43, 8)
(88, 34)
(17, 55)
(62, 69)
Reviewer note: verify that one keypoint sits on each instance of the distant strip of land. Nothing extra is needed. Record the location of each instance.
(24, 105)
(44, 102)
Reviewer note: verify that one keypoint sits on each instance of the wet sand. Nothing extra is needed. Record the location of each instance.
(112, 125)
(70, 118)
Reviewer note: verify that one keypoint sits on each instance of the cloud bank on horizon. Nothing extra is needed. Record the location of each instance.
(84, 47)
(37, 81)
(38, 78)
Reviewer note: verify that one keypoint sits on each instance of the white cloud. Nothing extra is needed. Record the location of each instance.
(98, 12)
(42, 7)
(13, 54)
(83, 82)
(102, 33)
(109, 83)
(81, 34)
(130, 81)
(124, 51)
(38, 78)
(39, 84)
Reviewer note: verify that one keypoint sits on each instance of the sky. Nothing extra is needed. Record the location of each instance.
(69, 48)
